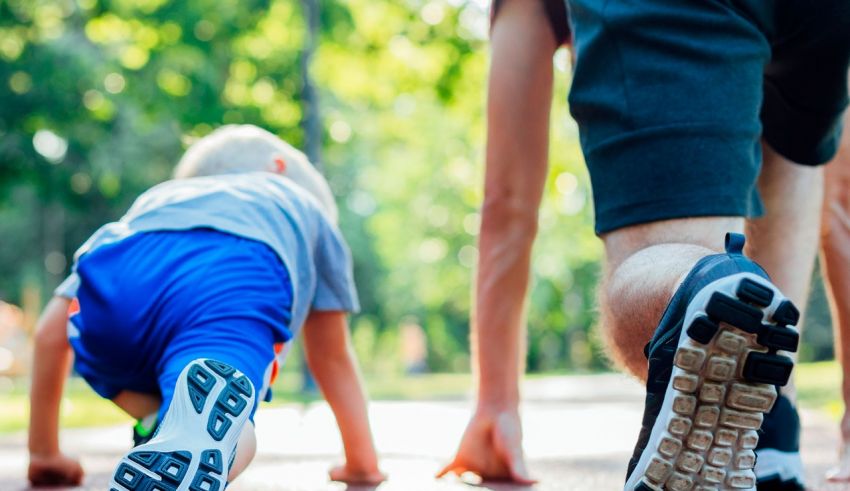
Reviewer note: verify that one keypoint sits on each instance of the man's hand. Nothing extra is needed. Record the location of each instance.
(351, 475)
(841, 471)
(54, 470)
(492, 448)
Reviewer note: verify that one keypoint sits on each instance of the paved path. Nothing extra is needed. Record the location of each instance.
(579, 432)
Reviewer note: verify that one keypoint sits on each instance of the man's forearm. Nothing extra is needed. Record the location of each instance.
(519, 99)
(835, 264)
(51, 364)
(835, 256)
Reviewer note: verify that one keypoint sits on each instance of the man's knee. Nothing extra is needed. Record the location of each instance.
(706, 232)
(616, 341)
(645, 265)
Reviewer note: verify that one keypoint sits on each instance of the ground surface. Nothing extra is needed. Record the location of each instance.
(579, 432)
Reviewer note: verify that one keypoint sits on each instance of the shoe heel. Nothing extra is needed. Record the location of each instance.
(210, 395)
(723, 308)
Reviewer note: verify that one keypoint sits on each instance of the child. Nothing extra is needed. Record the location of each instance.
(178, 310)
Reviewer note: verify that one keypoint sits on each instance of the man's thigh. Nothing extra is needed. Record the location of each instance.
(672, 100)
(805, 83)
(667, 97)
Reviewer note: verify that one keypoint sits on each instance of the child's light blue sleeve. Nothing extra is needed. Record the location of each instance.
(335, 288)
(68, 288)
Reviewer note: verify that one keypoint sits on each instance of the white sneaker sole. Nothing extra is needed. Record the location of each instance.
(192, 449)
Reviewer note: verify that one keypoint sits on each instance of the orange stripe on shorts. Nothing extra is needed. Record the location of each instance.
(73, 307)
(278, 347)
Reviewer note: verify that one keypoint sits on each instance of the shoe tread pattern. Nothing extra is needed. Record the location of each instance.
(169, 467)
(147, 470)
(724, 382)
(231, 402)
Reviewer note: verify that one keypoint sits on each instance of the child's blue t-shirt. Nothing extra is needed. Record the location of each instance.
(258, 205)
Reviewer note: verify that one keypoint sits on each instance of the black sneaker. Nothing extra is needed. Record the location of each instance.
(197, 438)
(778, 463)
(713, 368)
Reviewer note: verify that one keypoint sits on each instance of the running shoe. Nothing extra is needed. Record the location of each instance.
(713, 368)
(196, 442)
(778, 463)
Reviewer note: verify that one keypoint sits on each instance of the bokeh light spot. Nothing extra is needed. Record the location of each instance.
(50, 145)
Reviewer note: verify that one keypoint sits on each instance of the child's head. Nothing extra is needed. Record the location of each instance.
(248, 148)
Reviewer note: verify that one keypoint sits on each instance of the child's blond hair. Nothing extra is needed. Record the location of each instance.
(248, 148)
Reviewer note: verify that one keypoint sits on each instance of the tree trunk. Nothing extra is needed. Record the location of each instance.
(312, 121)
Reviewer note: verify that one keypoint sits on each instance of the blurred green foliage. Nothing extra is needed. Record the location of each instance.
(98, 98)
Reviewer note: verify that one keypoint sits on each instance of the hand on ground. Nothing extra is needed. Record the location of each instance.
(492, 448)
(841, 471)
(54, 470)
(350, 475)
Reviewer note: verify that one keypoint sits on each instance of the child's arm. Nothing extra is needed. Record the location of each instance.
(329, 354)
(51, 363)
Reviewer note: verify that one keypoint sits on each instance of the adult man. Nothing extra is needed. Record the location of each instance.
(669, 99)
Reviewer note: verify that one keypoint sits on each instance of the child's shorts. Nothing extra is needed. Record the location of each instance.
(155, 301)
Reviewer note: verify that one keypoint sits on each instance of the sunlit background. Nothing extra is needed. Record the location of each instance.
(98, 98)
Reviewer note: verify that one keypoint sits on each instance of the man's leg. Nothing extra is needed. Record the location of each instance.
(792, 196)
(714, 325)
(645, 264)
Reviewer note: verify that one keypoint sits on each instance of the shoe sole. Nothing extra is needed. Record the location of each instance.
(193, 448)
(726, 367)
(779, 470)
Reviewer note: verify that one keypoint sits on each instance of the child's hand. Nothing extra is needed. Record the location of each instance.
(351, 475)
(54, 470)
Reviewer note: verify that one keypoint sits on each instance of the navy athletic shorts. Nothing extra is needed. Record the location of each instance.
(673, 97)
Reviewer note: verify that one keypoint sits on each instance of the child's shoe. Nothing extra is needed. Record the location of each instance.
(145, 429)
(196, 442)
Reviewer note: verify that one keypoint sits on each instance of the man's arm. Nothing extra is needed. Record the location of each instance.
(835, 266)
(332, 361)
(51, 364)
(519, 100)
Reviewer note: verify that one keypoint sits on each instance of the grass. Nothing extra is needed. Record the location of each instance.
(818, 387)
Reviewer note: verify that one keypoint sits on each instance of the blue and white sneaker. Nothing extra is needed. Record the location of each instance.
(196, 442)
(713, 368)
(778, 463)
